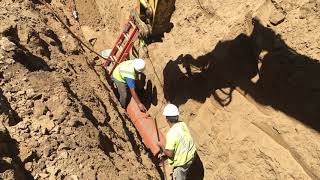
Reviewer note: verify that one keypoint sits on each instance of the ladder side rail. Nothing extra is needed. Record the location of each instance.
(114, 50)
(132, 38)
(129, 45)
(126, 49)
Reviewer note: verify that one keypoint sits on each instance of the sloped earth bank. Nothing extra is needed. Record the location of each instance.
(57, 119)
(245, 76)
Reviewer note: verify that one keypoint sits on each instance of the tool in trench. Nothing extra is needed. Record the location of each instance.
(161, 150)
(122, 47)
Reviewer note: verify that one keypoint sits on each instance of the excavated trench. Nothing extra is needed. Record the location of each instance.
(239, 78)
(243, 73)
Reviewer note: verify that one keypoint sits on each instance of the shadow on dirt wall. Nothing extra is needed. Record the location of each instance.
(106, 144)
(9, 158)
(29, 59)
(147, 91)
(261, 65)
(196, 170)
(5, 107)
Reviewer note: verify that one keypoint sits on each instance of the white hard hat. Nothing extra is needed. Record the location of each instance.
(170, 110)
(139, 65)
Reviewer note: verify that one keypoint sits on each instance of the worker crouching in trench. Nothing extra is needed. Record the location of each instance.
(124, 76)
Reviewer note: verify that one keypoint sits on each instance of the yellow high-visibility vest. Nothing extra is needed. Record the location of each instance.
(124, 70)
(179, 140)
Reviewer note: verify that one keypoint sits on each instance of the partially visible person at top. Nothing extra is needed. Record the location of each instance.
(180, 148)
(124, 76)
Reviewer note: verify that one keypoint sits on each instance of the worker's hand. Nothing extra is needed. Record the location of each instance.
(161, 156)
(142, 107)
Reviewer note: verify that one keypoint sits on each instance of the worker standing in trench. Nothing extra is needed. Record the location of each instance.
(179, 148)
(124, 76)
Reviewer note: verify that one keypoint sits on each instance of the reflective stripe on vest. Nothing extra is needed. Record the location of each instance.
(124, 70)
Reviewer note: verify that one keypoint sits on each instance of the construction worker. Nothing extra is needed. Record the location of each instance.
(180, 148)
(124, 76)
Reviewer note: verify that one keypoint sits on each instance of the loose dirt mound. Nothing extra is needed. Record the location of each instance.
(244, 75)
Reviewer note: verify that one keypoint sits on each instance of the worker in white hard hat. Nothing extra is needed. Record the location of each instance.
(179, 148)
(124, 76)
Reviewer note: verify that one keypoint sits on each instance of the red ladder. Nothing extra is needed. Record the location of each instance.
(122, 46)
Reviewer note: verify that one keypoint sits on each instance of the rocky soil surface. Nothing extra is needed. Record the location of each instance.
(58, 120)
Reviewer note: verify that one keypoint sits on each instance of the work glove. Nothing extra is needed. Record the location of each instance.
(162, 157)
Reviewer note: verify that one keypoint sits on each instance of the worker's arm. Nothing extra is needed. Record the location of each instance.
(131, 85)
(168, 153)
(136, 98)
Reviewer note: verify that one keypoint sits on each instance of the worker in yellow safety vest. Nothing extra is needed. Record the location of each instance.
(179, 148)
(124, 76)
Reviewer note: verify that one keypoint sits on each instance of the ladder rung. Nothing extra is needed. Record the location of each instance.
(113, 59)
(119, 47)
(126, 36)
(132, 24)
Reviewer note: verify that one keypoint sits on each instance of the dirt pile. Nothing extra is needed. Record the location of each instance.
(58, 120)
(244, 75)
